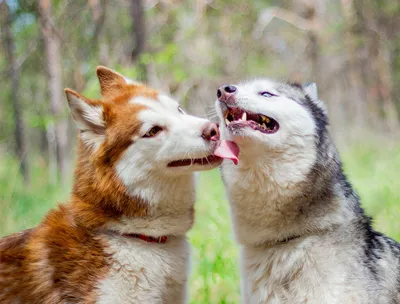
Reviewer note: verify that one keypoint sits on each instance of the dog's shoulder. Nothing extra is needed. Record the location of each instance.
(58, 260)
(13, 256)
(12, 246)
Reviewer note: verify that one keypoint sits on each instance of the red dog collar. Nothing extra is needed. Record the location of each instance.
(151, 239)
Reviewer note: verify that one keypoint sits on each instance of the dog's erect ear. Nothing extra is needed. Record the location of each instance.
(88, 116)
(311, 90)
(111, 82)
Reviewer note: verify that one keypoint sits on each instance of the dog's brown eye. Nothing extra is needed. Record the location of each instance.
(153, 131)
(181, 110)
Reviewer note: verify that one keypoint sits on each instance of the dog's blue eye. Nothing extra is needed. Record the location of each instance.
(267, 94)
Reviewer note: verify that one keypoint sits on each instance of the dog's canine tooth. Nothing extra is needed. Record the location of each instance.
(227, 121)
(244, 116)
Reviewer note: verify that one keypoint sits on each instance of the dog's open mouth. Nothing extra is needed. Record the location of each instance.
(237, 117)
(225, 149)
(209, 160)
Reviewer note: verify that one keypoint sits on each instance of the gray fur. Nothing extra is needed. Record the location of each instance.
(332, 253)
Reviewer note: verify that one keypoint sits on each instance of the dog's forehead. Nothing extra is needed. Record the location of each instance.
(162, 103)
(291, 91)
(167, 101)
(259, 85)
(279, 88)
(162, 111)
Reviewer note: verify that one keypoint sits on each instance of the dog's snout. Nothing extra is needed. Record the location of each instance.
(226, 91)
(210, 131)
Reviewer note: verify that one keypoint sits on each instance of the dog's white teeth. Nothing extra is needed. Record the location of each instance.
(264, 125)
(227, 121)
(244, 116)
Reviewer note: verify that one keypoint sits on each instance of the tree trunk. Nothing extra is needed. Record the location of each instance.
(380, 77)
(395, 64)
(384, 84)
(139, 34)
(309, 13)
(357, 87)
(58, 129)
(13, 70)
(98, 10)
(374, 65)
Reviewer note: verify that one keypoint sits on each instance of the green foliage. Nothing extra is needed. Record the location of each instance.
(22, 207)
(374, 172)
(215, 272)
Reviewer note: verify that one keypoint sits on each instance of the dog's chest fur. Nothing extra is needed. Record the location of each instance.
(301, 271)
(326, 263)
(144, 272)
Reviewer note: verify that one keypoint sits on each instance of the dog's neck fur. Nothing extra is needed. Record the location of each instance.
(276, 195)
(101, 201)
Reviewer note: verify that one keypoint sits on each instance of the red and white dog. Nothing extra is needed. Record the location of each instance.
(122, 236)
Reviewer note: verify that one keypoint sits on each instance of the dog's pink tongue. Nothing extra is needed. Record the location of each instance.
(229, 150)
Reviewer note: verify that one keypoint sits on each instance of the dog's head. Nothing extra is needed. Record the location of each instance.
(271, 120)
(137, 152)
(141, 133)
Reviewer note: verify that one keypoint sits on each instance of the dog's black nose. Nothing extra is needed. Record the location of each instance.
(229, 88)
(225, 91)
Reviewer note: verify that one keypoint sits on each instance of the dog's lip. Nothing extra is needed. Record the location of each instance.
(223, 149)
(205, 161)
(235, 117)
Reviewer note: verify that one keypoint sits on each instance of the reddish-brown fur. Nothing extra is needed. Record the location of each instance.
(63, 258)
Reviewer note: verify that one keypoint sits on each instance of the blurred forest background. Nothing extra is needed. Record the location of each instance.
(350, 48)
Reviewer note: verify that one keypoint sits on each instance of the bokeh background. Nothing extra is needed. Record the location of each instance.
(350, 48)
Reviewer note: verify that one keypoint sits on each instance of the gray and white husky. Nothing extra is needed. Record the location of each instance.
(303, 235)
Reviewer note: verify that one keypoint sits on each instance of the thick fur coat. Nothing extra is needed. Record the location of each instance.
(303, 234)
(127, 189)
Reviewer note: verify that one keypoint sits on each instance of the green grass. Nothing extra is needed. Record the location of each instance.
(215, 270)
(372, 169)
(22, 207)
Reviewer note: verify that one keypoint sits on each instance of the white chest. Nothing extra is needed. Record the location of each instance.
(144, 272)
(300, 275)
